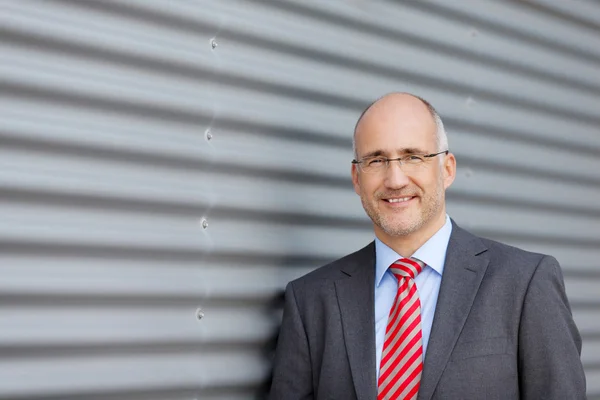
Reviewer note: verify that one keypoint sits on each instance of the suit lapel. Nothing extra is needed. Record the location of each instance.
(466, 263)
(355, 293)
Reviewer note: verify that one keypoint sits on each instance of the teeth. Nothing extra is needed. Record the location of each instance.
(399, 200)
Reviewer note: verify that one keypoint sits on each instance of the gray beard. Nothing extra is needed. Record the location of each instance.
(434, 206)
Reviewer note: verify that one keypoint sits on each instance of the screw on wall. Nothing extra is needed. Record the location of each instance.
(199, 314)
(204, 223)
(208, 134)
(213, 43)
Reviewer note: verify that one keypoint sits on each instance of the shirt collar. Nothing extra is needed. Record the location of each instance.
(432, 252)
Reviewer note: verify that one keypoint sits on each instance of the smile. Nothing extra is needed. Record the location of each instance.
(398, 200)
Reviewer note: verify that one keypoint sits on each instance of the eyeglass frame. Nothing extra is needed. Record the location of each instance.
(399, 159)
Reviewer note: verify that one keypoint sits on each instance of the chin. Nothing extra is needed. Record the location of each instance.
(400, 229)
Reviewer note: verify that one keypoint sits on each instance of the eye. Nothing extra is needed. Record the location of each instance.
(415, 159)
(375, 162)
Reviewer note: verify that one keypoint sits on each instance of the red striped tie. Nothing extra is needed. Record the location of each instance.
(402, 356)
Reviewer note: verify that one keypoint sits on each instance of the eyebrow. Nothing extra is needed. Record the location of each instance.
(408, 150)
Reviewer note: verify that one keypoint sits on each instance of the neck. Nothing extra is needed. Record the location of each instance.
(407, 245)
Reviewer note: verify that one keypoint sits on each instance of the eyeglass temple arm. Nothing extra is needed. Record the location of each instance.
(437, 154)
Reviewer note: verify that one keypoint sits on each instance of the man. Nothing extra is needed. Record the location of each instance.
(427, 310)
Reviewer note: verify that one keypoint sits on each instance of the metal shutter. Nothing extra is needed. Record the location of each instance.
(165, 159)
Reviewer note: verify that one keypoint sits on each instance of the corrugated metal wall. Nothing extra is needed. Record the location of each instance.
(165, 159)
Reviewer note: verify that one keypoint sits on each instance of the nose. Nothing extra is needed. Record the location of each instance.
(395, 177)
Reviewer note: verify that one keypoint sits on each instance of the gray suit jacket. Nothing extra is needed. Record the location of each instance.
(502, 329)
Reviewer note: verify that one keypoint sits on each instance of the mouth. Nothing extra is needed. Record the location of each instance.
(396, 200)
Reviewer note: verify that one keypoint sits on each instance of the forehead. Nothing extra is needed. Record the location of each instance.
(396, 127)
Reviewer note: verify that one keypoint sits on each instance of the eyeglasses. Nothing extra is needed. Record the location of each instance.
(410, 162)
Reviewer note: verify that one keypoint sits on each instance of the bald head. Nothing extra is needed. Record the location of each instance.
(405, 108)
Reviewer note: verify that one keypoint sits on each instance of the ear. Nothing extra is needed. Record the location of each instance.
(449, 170)
(355, 181)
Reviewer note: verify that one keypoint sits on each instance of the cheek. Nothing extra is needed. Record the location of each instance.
(370, 187)
(364, 185)
(431, 183)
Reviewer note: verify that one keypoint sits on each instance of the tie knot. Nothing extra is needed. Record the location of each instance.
(407, 268)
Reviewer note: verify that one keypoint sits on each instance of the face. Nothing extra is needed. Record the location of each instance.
(401, 202)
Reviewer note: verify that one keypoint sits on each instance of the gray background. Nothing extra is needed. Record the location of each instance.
(106, 170)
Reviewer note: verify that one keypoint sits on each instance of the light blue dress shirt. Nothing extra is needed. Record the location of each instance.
(433, 254)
